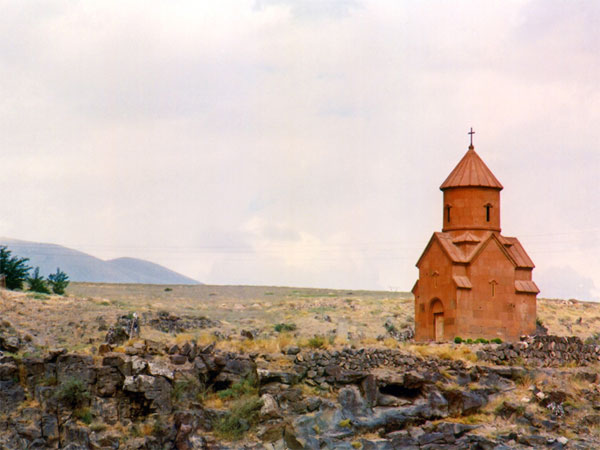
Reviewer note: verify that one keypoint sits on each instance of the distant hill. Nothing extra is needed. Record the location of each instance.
(83, 267)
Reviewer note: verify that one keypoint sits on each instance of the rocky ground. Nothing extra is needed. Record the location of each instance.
(259, 388)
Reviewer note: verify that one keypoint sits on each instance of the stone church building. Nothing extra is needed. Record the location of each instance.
(473, 282)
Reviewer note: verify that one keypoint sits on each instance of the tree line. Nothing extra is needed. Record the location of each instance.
(16, 273)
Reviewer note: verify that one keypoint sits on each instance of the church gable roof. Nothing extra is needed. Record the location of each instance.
(526, 286)
(471, 171)
(451, 251)
(518, 253)
(510, 246)
(466, 238)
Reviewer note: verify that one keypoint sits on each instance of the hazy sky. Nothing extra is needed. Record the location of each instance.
(299, 142)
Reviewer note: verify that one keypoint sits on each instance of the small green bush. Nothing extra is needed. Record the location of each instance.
(345, 423)
(159, 427)
(481, 341)
(37, 282)
(506, 410)
(458, 340)
(72, 393)
(49, 381)
(285, 327)
(244, 387)
(58, 281)
(496, 341)
(316, 342)
(242, 417)
(168, 289)
(83, 414)
(98, 427)
(15, 269)
(539, 322)
(469, 341)
(186, 388)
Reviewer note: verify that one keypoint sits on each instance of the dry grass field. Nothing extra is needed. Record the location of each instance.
(78, 321)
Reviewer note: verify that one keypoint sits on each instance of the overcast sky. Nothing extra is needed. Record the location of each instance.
(299, 142)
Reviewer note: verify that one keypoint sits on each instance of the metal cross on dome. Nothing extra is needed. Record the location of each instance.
(471, 133)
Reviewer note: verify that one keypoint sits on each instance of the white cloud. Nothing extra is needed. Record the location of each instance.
(276, 142)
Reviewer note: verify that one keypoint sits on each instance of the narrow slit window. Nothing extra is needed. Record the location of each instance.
(487, 212)
(493, 284)
(448, 207)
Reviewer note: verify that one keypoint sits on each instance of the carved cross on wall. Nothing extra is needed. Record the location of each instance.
(435, 274)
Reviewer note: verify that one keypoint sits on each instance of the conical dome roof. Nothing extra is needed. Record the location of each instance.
(471, 171)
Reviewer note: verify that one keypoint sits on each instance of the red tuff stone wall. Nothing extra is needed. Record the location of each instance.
(434, 287)
(479, 312)
(467, 209)
(491, 313)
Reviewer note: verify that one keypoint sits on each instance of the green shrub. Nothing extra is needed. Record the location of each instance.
(285, 327)
(15, 269)
(458, 340)
(168, 289)
(241, 418)
(49, 381)
(58, 281)
(83, 414)
(469, 341)
(134, 431)
(72, 393)
(539, 322)
(244, 387)
(98, 427)
(186, 388)
(316, 342)
(37, 282)
(159, 427)
(496, 341)
(481, 341)
(345, 423)
(507, 410)
(593, 339)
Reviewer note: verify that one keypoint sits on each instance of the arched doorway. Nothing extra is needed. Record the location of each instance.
(437, 317)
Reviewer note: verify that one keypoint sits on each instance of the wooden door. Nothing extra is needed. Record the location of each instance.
(438, 326)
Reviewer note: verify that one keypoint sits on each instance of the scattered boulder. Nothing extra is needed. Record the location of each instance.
(171, 323)
(404, 334)
(10, 343)
(542, 351)
(376, 399)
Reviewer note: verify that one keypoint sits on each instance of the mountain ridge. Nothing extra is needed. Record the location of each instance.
(81, 266)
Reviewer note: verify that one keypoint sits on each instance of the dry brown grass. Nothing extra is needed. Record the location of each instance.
(342, 317)
(561, 317)
(442, 351)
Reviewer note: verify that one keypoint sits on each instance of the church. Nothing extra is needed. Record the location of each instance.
(473, 282)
